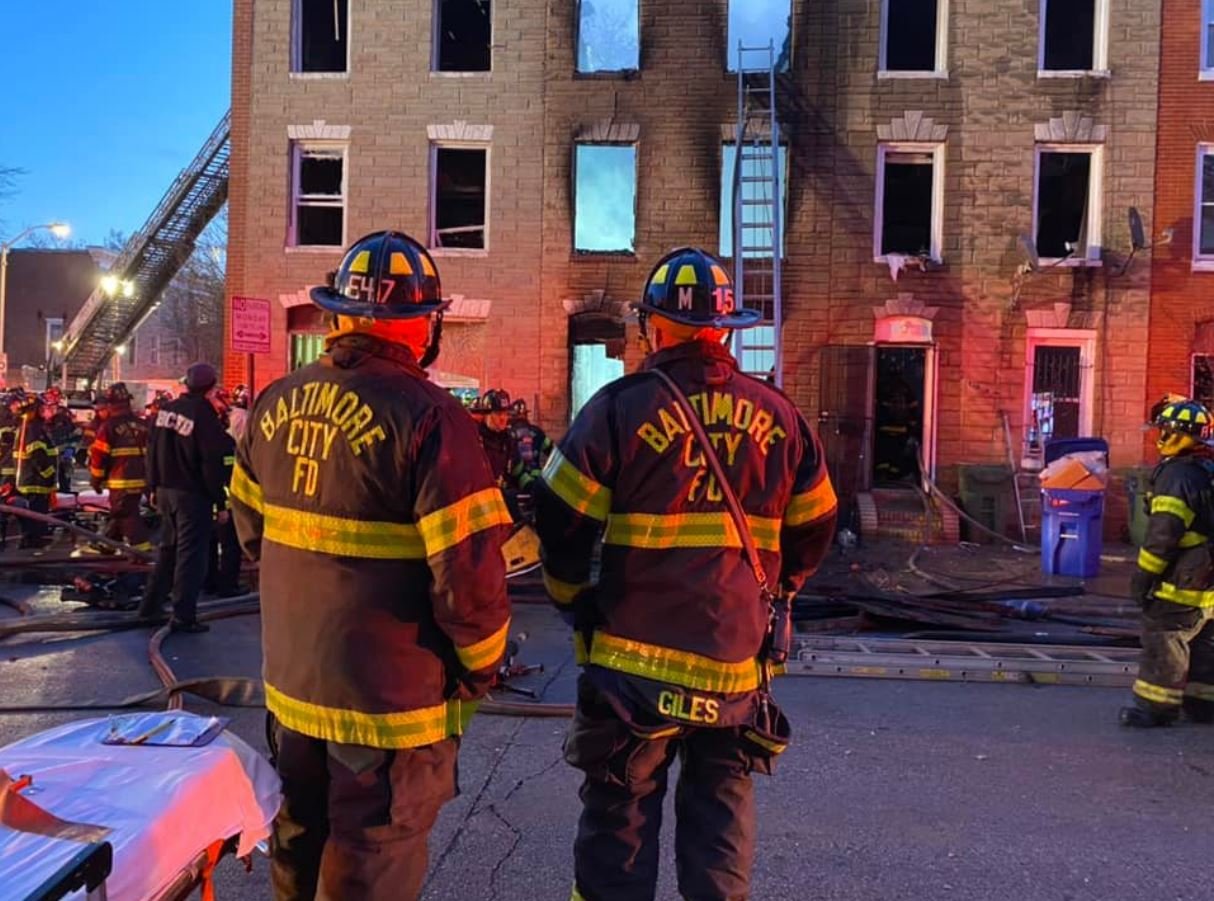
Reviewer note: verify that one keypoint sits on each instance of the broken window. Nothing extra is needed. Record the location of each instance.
(608, 38)
(461, 177)
(318, 189)
(604, 215)
(464, 36)
(1063, 215)
(758, 189)
(911, 30)
(1204, 220)
(756, 24)
(321, 35)
(1203, 379)
(1068, 35)
(906, 202)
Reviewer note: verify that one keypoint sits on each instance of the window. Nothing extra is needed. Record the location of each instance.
(318, 195)
(461, 199)
(1059, 388)
(759, 187)
(755, 24)
(306, 348)
(463, 40)
(914, 35)
(608, 36)
(54, 332)
(1203, 380)
(605, 192)
(1207, 39)
(1203, 215)
(1066, 219)
(908, 217)
(1073, 37)
(168, 352)
(320, 33)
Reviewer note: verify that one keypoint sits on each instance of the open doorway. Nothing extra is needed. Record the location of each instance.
(596, 356)
(900, 410)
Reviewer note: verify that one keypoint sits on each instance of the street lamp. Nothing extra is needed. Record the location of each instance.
(60, 230)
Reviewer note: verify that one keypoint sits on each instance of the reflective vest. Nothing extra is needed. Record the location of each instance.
(118, 455)
(1179, 528)
(36, 458)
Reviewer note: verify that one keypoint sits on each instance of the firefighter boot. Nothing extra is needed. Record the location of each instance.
(1198, 710)
(1141, 718)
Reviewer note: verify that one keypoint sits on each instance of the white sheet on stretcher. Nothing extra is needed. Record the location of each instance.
(165, 805)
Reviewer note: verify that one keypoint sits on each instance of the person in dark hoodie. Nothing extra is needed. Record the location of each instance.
(187, 482)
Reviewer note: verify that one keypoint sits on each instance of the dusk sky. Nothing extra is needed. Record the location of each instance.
(104, 103)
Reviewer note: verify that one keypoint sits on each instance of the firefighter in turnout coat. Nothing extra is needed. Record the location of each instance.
(672, 636)
(1174, 582)
(118, 462)
(363, 491)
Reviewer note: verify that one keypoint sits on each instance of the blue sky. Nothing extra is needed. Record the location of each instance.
(102, 104)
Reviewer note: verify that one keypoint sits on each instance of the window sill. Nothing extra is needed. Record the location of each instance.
(895, 75)
(314, 248)
(469, 252)
(923, 264)
(603, 254)
(318, 76)
(607, 75)
(1074, 73)
(1069, 263)
(1203, 264)
(441, 74)
(1205, 75)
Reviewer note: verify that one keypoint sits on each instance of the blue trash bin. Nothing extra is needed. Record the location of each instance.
(1072, 524)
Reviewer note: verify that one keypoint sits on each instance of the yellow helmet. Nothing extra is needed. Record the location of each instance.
(1182, 424)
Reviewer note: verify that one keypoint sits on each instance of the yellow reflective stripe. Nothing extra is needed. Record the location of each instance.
(403, 729)
(486, 652)
(579, 491)
(1175, 506)
(1192, 539)
(658, 531)
(581, 656)
(143, 546)
(683, 668)
(103, 446)
(448, 526)
(810, 506)
(1190, 597)
(33, 489)
(28, 449)
(1150, 562)
(562, 592)
(47, 473)
(229, 460)
(775, 747)
(127, 452)
(245, 490)
(576, 896)
(1157, 693)
(126, 484)
(340, 536)
(1203, 691)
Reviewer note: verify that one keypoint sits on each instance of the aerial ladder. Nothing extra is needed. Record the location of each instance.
(758, 207)
(148, 262)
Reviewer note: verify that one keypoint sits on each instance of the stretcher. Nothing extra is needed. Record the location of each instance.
(138, 821)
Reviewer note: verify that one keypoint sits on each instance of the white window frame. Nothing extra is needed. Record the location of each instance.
(937, 151)
(1100, 47)
(1201, 262)
(1085, 340)
(436, 25)
(1206, 73)
(296, 58)
(432, 224)
(941, 70)
(298, 148)
(49, 321)
(1091, 254)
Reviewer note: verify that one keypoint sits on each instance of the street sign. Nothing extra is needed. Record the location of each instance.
(250, 328)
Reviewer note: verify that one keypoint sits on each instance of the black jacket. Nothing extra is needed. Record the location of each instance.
(186, 449)
(1176, 551)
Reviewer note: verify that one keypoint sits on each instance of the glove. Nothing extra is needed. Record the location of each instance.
(1141, 585)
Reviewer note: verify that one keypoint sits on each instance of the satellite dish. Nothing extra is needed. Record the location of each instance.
(1029, 248)
(1138, 235)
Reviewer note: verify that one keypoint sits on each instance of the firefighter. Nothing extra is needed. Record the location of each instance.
(239, 412)
(9, 423)
(672, 636)
(65, 434)
(534, 446)
(360, 487)
(498, 439)
(223, 569)
(37, 463)
(1174, 581)
(118, 462)
(186, 481)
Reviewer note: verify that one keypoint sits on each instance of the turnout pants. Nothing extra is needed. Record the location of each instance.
(223, 570)
(33, 534)
(1177, 664)
(616, 849)
(354, 821)
(182, 563)
(126, 522)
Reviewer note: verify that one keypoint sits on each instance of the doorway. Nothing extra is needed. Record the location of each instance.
(900, 411)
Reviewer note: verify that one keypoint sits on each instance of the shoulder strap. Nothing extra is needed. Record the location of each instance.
(714, 463)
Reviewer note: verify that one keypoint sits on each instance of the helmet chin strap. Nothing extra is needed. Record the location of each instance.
(435, 343)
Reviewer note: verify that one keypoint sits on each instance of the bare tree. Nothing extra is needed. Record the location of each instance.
(8, 184)
(191, 309)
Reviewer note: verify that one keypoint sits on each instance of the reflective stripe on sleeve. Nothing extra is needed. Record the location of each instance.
(127, 452)
(661, 531)
(579, 491)
(1174, 505)
(810, 506)
(1157, 694)
(126, 484)
(1192, 539)
(339, 536)
(245, 490)
(563, 593)
(668, 665)
(1150, 562)
(450, 525)
(1202, 691)
(1189, 597)
(486, 652)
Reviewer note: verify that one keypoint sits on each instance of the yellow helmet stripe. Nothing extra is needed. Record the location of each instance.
(686, 276)
(659, 277)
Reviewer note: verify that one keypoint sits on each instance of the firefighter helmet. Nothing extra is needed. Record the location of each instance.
(52, 396)
(117, 395)
(21, 401)
(519, 410)
(691, 286)
(495, 400)
(384, 275)
(240, 397)
(1182, 424)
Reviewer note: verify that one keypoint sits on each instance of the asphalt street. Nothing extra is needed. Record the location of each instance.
(892, 790)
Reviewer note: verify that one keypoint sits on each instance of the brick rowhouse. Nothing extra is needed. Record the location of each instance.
(980, 334)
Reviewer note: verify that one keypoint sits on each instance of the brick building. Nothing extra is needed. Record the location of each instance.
(924, 136)
(1181, 347)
